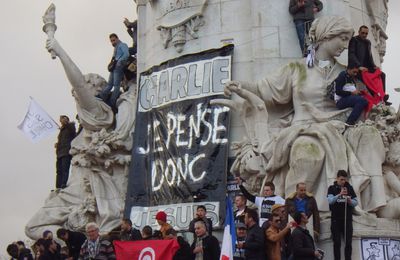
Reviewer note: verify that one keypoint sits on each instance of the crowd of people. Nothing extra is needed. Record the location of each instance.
(288, 228)
(274, 229)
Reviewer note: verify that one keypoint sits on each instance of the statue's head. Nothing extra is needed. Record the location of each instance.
(331, 33)
(95, 81)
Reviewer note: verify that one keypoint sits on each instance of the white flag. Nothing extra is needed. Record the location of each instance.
(37, 124)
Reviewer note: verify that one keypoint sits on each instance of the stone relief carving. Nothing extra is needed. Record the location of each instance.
(378, 13)
(101, 154)
(179, 19)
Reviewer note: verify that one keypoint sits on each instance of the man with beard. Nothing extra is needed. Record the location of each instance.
(129, 233)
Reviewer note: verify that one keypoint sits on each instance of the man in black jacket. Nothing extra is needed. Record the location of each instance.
(129, 233)
(201, 213)
(63, 145)
(50, 251)
(303, 243)
(342, 200)
(360, 51)
(303, 15)
(360, 55)
(241, 208)
(205, 246)
(254, 243)
(73, 240)
(183, 252)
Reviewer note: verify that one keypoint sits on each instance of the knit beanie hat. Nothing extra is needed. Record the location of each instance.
(161, 215)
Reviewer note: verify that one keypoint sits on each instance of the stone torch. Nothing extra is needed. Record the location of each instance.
(50, 27)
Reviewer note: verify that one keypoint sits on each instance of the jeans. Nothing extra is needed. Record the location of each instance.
(62, 169)
(358, 103)
(302, 29)
(337, 229)
(114, 80)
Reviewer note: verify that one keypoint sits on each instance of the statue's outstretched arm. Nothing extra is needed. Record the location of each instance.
(74, 74)
(84, 95)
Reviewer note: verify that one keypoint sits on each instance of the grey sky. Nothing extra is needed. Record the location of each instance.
(26, 69)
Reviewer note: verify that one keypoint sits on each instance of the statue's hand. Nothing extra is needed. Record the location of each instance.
(232, 86)
(53, 45)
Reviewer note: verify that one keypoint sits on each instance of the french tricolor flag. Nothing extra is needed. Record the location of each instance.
(229, 239)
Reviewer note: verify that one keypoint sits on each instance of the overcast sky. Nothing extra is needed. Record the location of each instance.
(26, 69)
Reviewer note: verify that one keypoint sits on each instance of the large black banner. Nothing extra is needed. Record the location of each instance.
(180, 148)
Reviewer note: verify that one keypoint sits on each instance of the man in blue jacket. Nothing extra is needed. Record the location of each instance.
(120, 56)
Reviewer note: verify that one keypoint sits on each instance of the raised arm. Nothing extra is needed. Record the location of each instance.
(84, 95)
(72, 71)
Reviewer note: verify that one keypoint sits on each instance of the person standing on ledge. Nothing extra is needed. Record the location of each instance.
(264, 204)
(120, 57)
(303, 15)
(63, 145)
(342, 199)
(303, 201)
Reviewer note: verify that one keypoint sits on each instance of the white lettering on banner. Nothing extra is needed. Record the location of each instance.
(168, 173)
(179, 215)
(187, 81)
(180, 125)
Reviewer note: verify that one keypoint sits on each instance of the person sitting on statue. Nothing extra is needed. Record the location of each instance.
(265, 203)
(120, 57)
(347, 94)
(361, 56)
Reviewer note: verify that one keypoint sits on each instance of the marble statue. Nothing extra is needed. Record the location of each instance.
(312, 147)
(101, 154)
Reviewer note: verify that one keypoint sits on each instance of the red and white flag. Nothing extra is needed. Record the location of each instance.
(146, 249)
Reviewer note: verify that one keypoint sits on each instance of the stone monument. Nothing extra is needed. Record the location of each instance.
(283, 124)
(279, 105)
